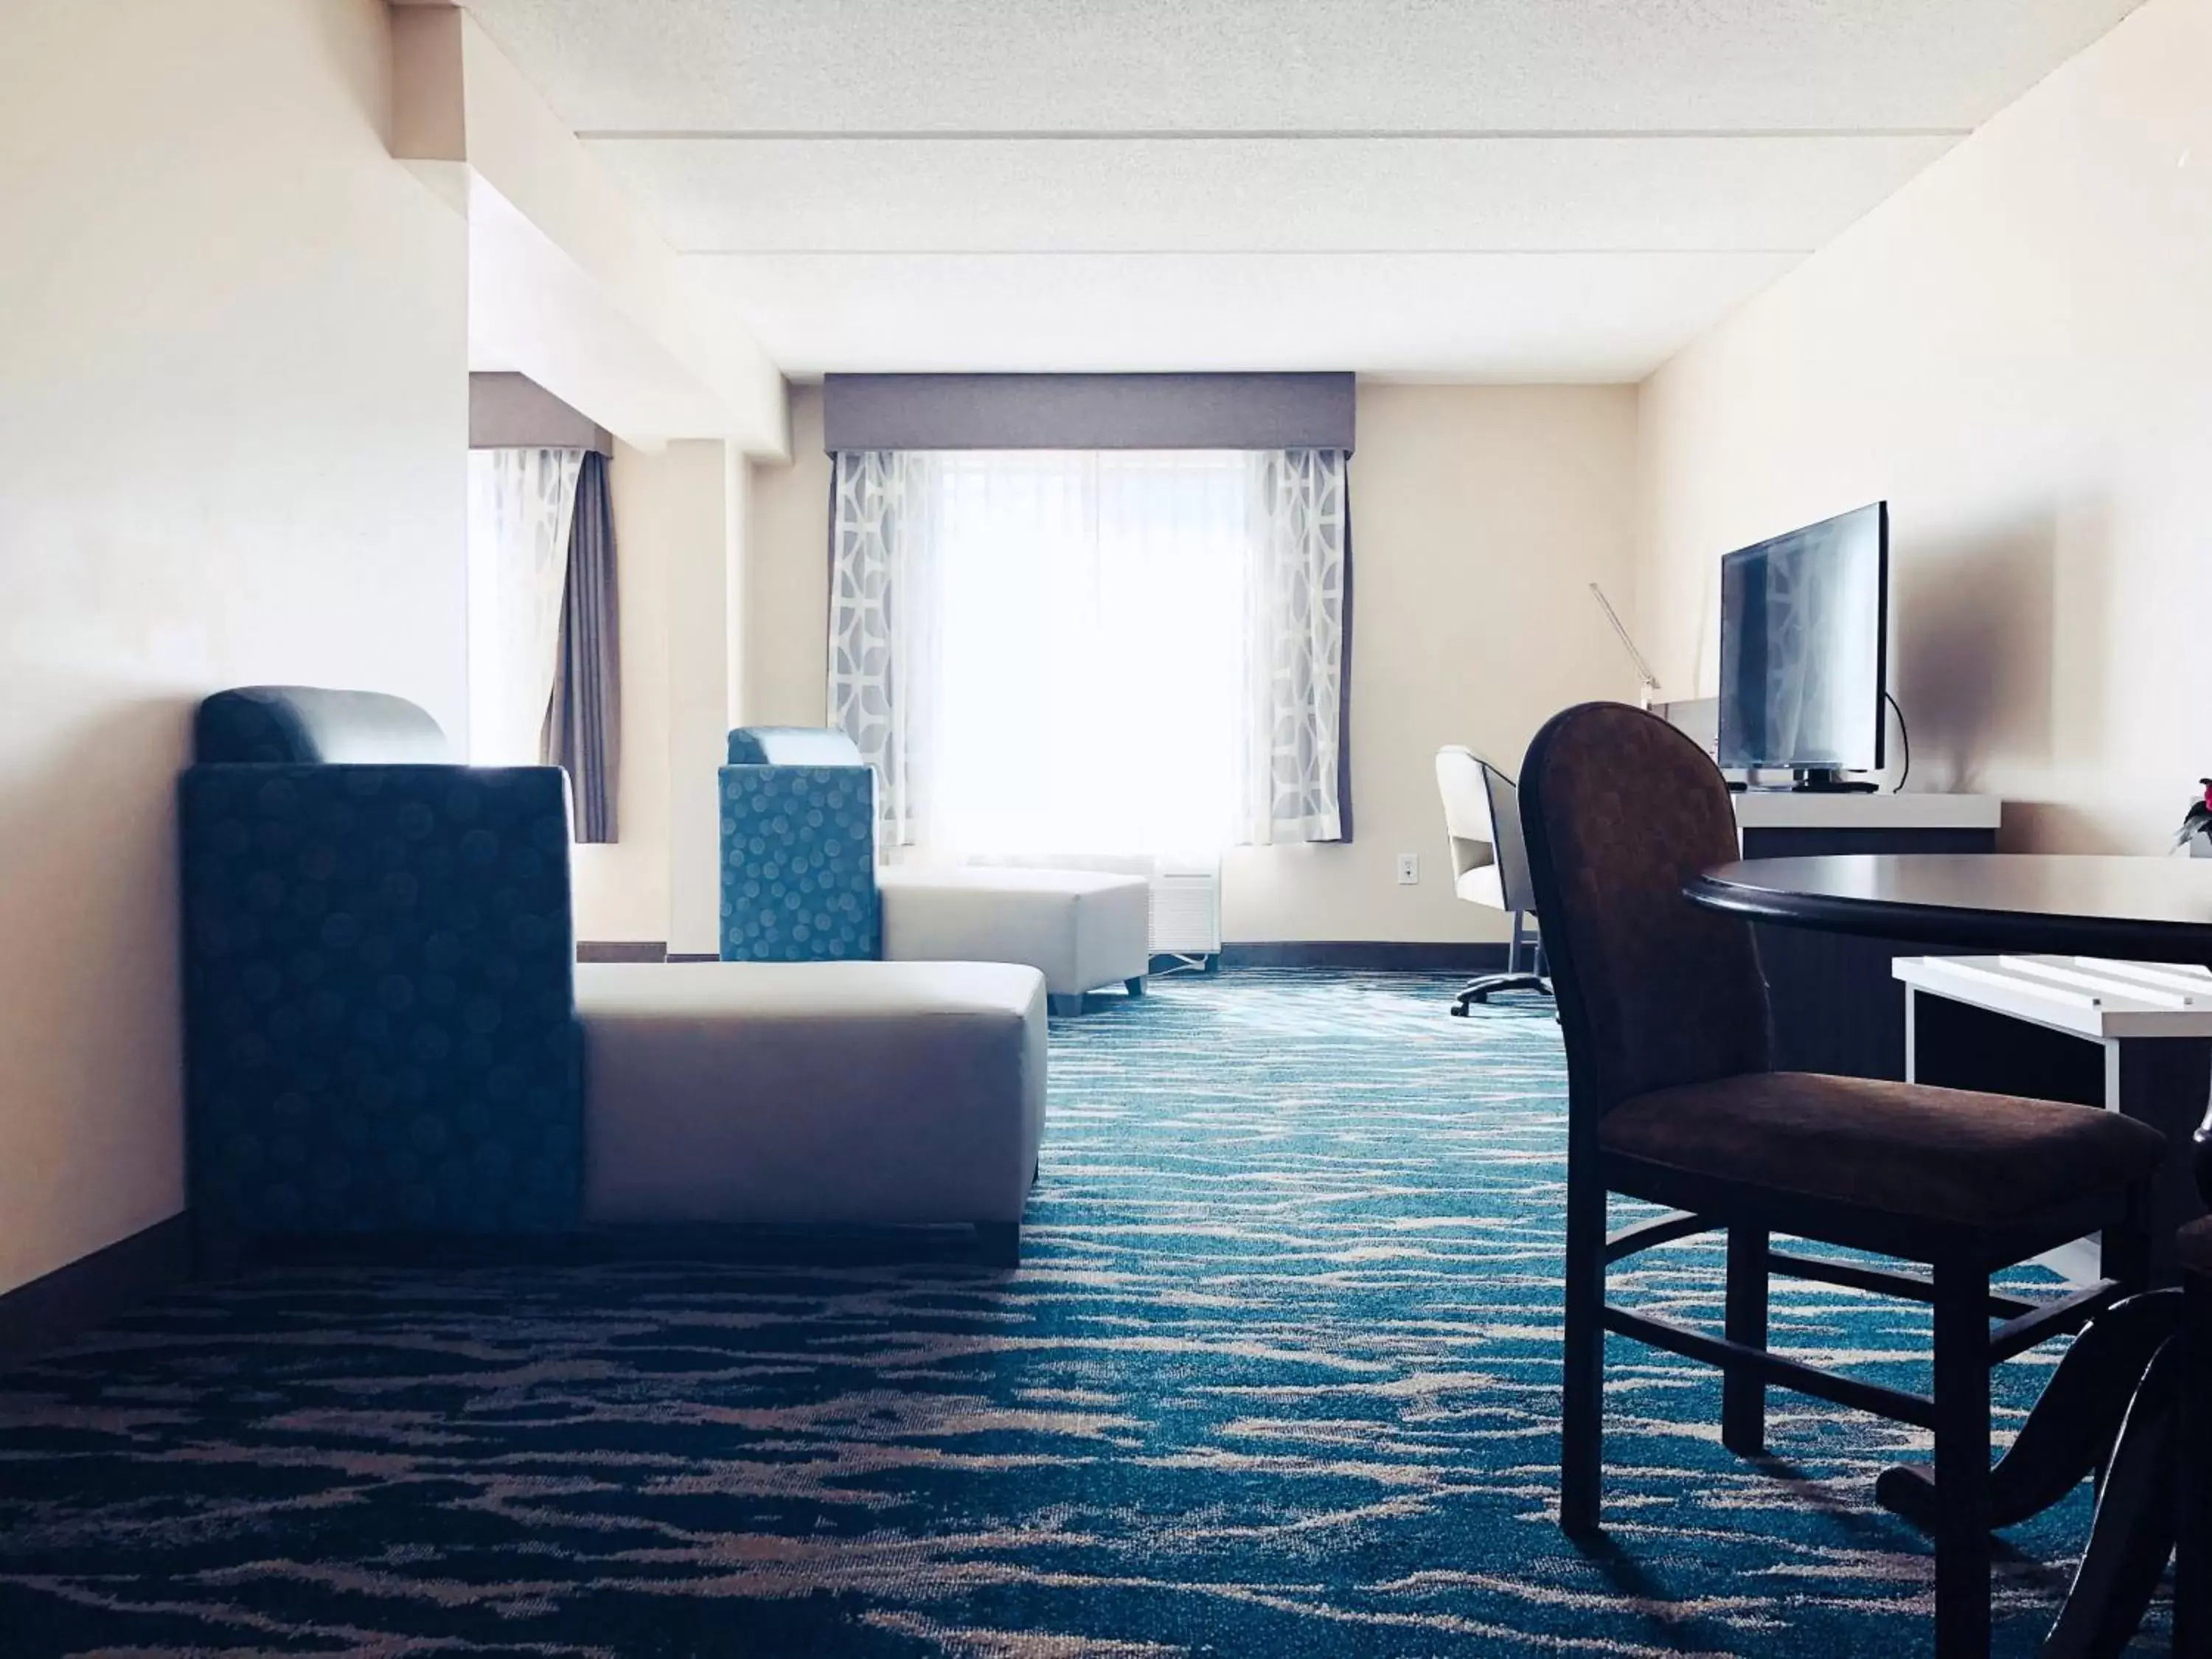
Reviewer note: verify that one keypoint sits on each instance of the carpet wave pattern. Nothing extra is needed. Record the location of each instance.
(1278, 1377)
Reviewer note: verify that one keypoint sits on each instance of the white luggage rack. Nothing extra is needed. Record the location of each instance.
(2087, 996)
(2152, 1020)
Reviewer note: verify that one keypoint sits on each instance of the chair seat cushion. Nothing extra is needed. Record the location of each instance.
(1944, 1155)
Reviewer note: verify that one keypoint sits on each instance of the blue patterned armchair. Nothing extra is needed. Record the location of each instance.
(798, 847)
(380, 1009)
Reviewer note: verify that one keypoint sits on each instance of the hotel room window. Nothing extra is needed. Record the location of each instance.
(1110, 652)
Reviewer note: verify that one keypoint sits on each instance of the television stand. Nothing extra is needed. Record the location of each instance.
(1828, 780)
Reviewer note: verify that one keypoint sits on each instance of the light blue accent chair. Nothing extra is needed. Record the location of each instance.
(798, 847)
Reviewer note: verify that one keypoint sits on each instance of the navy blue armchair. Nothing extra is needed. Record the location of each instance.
(379, 986)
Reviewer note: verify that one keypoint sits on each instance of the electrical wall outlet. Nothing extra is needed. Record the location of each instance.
(1409, 869)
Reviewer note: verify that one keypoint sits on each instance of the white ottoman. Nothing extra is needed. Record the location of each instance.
(1080, 928)
(813, 1092)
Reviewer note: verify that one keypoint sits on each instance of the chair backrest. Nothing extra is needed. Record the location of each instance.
(792, 745)
(1620, 811)
(378, 967)
(1512, 846)
(798, 847)
(311, 725)
(1466, 809)
(1482, 817)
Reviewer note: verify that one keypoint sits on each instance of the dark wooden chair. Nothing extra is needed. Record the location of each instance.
(1671, 1100)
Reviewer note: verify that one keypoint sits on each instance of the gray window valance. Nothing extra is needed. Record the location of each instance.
(513, 412)
(1086, 411)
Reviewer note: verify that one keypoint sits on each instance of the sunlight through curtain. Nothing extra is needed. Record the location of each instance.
(1092, 652)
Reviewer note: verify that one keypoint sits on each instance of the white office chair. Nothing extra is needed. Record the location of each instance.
(1490, 865)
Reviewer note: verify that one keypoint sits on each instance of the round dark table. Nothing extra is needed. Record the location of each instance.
(2142, 910)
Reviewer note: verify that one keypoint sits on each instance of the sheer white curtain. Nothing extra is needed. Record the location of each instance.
(520, 505)
(1053, 652)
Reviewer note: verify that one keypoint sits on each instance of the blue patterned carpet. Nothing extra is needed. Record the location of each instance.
(1276, 1378)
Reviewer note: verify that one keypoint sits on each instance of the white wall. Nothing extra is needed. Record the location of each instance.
(704, 507)
(1479, 516)
(234, 411)
(569, 283)
(2016, 350)
(786, 581)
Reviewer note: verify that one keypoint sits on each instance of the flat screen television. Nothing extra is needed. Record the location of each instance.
(1804, 650)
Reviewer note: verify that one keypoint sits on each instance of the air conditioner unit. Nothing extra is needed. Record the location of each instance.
(1186, 907)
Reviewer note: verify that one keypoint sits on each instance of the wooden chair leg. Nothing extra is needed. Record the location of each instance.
(1743, 1393)
(1582, 1401)
(2126, 1248)
(1962, 1461)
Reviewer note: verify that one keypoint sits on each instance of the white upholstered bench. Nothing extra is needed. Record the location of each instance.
(830, 1092)
(1082, 929)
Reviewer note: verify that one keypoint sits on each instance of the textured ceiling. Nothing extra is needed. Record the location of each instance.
(1507, 189)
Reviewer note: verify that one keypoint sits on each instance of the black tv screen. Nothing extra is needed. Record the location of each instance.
(1804, 646)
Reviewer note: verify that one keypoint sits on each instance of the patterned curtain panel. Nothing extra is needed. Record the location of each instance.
(879, 641)
(1297, 755)
(583, 721)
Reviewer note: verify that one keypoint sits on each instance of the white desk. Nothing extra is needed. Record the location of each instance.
(1782, 809)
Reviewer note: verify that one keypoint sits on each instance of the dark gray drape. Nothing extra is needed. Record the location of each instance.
(583, 723)
(1344, 680)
